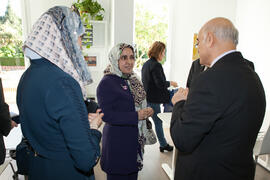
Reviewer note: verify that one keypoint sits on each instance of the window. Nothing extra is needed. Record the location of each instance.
(151, 24)
(11, 56)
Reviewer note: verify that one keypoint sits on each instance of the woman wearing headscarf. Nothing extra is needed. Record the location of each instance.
(50, 98)
(123, 100)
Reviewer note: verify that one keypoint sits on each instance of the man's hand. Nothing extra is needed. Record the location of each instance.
(173, 83)
(180, 95)
(13, 124)
(95, 119)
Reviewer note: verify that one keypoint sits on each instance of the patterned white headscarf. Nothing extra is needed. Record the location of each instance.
(55, 37)
(134, 82)
(114, 56)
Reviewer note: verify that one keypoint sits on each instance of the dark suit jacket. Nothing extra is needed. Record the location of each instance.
(250, 64)
(215, 129)
(195, 70)
(5, 124)
(154, 82)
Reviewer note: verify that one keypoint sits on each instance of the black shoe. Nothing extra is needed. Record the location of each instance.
(167, 147)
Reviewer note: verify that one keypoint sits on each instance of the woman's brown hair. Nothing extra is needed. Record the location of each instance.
(156, 48)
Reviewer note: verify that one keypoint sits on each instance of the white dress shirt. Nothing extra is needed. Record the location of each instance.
(222, 55)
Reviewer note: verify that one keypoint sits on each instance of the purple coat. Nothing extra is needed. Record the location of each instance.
(120, 133)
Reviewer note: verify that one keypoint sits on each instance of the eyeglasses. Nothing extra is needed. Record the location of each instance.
(197, 43)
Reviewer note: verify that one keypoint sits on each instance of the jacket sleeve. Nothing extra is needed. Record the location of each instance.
(250, 64)
(159, 76)
(64, 103)
(5, 123)
(107, 100)
(193, 119)
(190, 75)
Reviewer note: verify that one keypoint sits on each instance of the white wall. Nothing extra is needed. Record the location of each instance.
(186, 19)
(252, 21)
(34, 9)
(123, 21)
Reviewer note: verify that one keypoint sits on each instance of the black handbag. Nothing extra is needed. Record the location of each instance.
(148, 124)
(23, 157)
(91, 105)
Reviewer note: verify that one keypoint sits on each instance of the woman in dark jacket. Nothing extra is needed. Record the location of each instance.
(50, 98)
(122, 99)
(156, 87)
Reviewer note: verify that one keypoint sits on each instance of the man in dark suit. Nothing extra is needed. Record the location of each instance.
(214, 125)
(5, 124)
(197, 68)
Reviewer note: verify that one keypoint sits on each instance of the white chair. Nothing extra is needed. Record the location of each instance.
(262, 146)
(4, 166)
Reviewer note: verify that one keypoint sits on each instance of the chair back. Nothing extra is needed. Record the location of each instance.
(265, 147)
(4, 166)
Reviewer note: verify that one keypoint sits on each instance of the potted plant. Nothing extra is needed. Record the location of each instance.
(90, 7)
(89, 10)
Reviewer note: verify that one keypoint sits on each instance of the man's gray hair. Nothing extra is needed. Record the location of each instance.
(224, 32)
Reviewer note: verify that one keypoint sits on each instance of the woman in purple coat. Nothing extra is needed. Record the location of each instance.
(121, 95)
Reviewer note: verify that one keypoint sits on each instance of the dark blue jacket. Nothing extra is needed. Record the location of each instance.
(54, 120)
(120, 133)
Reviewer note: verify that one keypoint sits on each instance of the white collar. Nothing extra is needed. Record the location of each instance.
(220, 56)
(31, 54)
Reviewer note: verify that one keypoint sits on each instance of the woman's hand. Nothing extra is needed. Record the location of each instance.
(150, 111)
(95, 119)
(145, 113)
